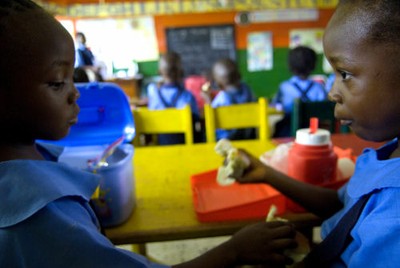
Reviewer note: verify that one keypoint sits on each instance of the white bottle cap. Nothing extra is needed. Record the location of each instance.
(320, 137)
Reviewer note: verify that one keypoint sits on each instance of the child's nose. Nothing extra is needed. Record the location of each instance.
(334, 95)
(74, 96)
(77, 93)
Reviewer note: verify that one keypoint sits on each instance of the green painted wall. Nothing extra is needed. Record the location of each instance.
(266, 83)
(148, 68)
(263, 83)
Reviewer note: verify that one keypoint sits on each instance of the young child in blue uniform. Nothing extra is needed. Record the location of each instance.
(84, 57)
(232, 91)
(362, 43)
(301, 61)
(170, 93)
(45, 216)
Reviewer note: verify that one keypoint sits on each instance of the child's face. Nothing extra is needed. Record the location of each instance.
(366, 87)
(41, 98)
(163, 67)
(220, 76)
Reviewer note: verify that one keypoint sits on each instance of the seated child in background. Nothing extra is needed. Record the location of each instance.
(362, 43)
(170, 93)
(301, 61)
(227, 78)
(45, 216)
(85, 59)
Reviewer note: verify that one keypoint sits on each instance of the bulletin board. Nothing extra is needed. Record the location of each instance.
(201, 46)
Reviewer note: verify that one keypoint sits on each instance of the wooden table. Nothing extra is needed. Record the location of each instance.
(130, 85)
(164, 209)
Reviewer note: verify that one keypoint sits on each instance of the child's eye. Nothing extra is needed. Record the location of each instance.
(344, 75)
(56, 85)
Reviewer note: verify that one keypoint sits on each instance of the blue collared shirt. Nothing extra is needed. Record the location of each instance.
(287, 92)
(242, 94)
(46, 220)
(169, 92)
(376, 239)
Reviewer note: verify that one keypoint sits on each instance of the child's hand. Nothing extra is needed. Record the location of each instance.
(264, 243)
(256, 171)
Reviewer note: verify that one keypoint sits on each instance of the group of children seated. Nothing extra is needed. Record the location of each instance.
(225, 87)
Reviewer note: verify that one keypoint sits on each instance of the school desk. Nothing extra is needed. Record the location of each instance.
(164, 209)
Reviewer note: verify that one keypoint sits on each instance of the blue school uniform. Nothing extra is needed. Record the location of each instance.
(376, 240)
(289, 91)
(230, 96)
(168, 96)
(46, 219)
(83, 57)
(296, 88)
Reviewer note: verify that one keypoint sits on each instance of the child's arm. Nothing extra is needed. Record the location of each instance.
(318, 200)
(261, 243)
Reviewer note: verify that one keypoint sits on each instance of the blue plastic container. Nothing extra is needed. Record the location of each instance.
(105, 116)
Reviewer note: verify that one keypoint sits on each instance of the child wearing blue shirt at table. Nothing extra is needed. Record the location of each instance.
(170, 93)
(45, 216)
(301, 61)
(227, 78)
(362, 43)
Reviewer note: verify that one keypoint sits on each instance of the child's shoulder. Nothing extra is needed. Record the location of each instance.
(151, 88)
(287, 83)
(39, 183)
(220, 99)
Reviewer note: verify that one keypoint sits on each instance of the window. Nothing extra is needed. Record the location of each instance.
(118, 44)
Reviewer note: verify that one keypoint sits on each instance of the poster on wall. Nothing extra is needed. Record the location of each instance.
(307, 37)
(259, 51)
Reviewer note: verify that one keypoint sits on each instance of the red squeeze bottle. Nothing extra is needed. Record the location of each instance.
(311, 159)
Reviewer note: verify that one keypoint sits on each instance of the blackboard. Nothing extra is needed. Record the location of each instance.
(201, 46)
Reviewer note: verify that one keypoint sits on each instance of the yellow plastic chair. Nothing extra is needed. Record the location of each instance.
(169, 120)
(235, 116)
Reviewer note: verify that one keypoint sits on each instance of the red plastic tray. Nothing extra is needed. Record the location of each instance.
(213, 202)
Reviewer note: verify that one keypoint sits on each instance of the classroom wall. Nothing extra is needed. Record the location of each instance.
(264, 83)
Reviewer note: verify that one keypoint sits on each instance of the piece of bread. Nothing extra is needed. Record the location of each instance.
(234, 164)
(297, 254)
